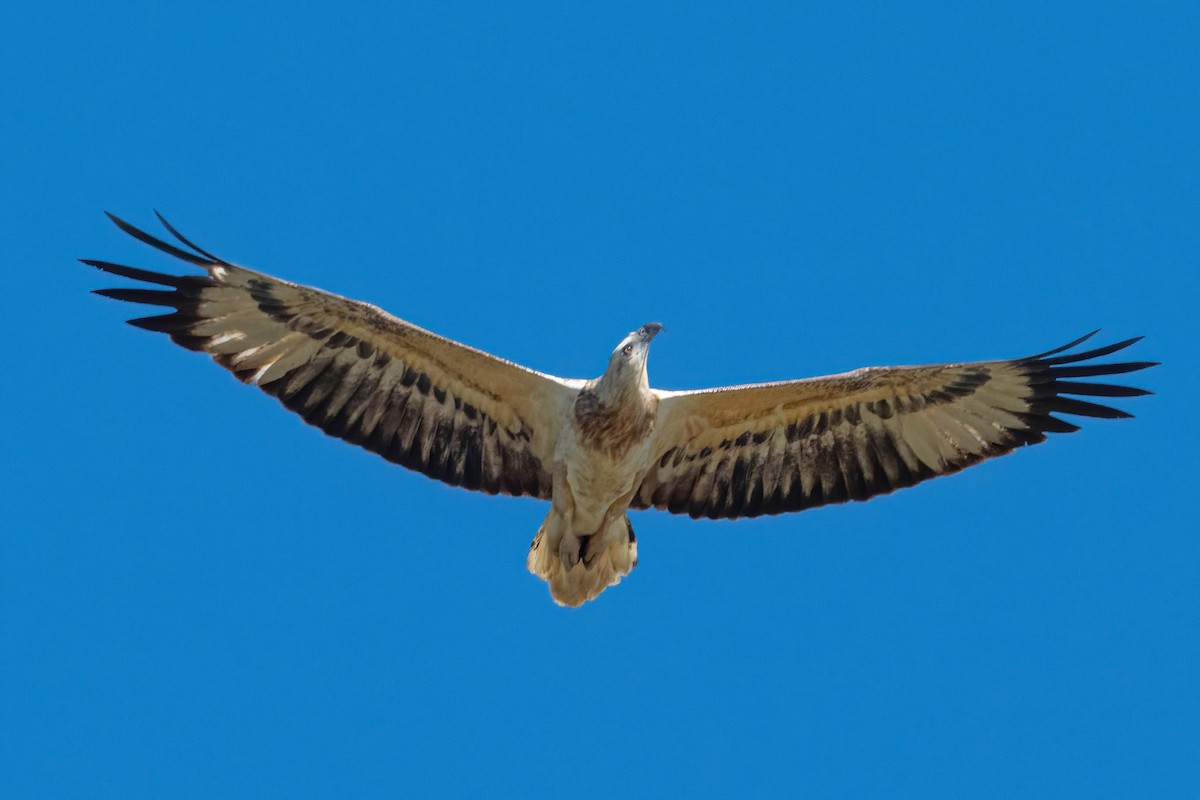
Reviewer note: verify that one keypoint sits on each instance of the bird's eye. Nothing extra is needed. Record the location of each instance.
(627, 349)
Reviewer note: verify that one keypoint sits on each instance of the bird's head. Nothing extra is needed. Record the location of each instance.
(627, 364)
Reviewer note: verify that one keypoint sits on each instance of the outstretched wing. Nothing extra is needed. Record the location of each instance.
(452, 412)
(743, 451)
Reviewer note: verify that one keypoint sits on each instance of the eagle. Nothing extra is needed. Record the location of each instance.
(595, 449)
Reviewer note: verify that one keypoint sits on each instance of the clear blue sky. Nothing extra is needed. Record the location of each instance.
(202, 597)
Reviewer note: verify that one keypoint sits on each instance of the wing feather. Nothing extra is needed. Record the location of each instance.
(744, 451)
(455, 413)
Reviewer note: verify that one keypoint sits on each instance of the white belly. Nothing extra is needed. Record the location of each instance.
(596, 481)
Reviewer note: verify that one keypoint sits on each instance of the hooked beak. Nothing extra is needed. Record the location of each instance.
(649, 331)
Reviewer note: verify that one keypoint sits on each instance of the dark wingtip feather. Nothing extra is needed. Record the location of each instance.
(1096, 353)
(188, 242)
(1055, 425)
(1066, 346)
(1095, 389)
(160, 278)
(1090, 370)
(154, 241)
(154, 297)
(161, 323)
(1082, 408)
(1050, 381)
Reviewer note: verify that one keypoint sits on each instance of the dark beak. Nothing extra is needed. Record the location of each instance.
(649, 331)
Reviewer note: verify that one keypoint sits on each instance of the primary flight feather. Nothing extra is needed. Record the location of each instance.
(597, 448)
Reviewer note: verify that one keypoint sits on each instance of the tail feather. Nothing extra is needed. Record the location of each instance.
(589, 565)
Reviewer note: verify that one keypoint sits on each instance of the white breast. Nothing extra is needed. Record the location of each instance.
(597, 481)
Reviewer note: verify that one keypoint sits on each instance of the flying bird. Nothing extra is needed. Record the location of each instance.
(597, 448)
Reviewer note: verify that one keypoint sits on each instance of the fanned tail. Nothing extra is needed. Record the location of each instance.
(595, 562)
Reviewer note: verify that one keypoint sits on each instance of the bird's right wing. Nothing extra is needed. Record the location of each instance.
(450, 411)
(742, 451)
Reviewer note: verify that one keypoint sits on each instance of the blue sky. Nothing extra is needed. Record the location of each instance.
(200, 596)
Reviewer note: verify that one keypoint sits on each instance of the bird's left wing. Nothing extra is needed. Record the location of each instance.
(743, 451)
(455, 413)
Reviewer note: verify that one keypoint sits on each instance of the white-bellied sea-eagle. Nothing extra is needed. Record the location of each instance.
(598, 448)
